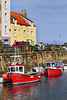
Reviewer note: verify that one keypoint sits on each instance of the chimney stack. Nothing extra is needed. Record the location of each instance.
(24, 12)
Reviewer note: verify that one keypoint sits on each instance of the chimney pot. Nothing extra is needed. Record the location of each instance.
(25, 10)
(22, 10)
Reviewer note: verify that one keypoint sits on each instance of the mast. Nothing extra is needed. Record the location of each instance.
(26, 58)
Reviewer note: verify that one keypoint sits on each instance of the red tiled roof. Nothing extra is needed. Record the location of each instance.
(11, 21)
(20, 20)
(34, 25)
(27, 18)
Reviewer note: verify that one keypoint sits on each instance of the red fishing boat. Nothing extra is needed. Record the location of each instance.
(16, 72)
(53, 68)
(17, 75)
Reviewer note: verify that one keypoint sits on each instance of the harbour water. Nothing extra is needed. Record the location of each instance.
(49, 88)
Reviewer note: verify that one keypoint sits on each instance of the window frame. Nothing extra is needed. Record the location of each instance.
(15, 32)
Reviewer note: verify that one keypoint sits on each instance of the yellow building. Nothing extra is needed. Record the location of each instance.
(22, 28)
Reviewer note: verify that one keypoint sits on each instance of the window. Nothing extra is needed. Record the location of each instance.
(24, 34)
(5, 16)
(31, 33)
(21, 69)
(5, 41)
(12, 69)
(17, 69)
(5, 4)
(53, 64)
(5, 29)
(15, 24)
(15, 32)
(9, 69)
(31, 25)
(26, 26)
(47, 65)
(19, 31)
(20, 26)
(28, 32)
(59, 64)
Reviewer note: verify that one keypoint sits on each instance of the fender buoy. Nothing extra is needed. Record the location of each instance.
(43, 73)
(5, 76)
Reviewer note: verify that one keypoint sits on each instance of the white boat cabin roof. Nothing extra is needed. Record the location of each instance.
(16, 68)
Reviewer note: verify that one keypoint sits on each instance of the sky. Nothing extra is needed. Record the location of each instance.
(49, 16)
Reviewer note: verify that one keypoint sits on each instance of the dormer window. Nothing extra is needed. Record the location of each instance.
(26, 26)
(31, 25)
(20, 26)
(15, 23)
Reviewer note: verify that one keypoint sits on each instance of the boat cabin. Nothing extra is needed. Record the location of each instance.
(16, 69)
(49, 64)
(53, 64)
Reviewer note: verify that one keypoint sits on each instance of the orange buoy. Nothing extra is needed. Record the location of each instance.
(5, 76)
(43, 73)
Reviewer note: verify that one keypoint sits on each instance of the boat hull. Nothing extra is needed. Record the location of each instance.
(53, 72)
(65, 67)
(23, 78)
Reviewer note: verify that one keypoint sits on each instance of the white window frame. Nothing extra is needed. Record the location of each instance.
(5, 29)
(5, 16)
(15, 24)
(5, 4)
(31, 25)
(15, 32)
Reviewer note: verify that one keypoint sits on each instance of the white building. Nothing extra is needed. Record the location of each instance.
(5, 21)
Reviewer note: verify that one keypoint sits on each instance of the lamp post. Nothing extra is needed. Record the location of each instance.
(60, 46)
(60, 39)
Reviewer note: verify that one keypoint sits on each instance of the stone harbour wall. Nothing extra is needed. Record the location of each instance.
(28, 57)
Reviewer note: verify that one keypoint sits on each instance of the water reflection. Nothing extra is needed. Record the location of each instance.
(25, 91)
(6, 92)
(53, 79)
(20, 92)
(53, 85)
